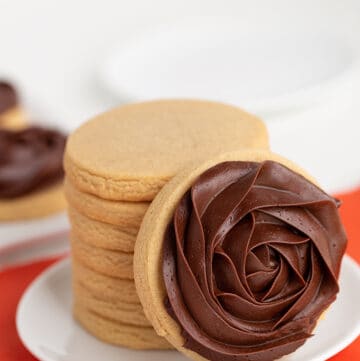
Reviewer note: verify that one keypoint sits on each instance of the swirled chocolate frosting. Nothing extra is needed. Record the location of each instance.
(30, 159)
(251, 260)
(8, 96)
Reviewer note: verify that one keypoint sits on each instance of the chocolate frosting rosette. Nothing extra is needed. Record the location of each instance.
(30, 159)
(31, 173)
(239, 257)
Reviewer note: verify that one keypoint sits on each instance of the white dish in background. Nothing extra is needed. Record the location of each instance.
(234, 60)
(17, 233)
(57, 337)
(304, 82)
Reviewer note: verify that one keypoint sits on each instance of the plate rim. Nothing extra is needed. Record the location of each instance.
(46, 273)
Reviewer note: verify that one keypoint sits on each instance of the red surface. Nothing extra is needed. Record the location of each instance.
(13, 282)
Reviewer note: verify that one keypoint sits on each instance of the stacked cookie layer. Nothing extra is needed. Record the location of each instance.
(105, 300)
(115, 165)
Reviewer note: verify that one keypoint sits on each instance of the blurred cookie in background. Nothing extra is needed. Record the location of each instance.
(11, 113)
(31, 173)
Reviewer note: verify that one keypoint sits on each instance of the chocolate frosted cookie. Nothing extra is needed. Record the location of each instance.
(238, 257)
(11, 114)
(31, 172)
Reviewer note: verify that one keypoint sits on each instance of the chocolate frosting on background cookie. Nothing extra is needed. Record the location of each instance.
(30, 159)
(8, 97)
(251, 260)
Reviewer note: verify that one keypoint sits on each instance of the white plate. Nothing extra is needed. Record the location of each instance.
(303, 81)
(19, 233)
(237, 60)
(47, 329)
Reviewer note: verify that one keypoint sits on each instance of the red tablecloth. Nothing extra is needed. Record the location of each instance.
(13, 282)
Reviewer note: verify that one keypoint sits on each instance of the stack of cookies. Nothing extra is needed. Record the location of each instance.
(102, 238)
(115, 165)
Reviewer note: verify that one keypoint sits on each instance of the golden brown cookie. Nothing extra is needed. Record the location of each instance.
(111, 288)
(118, 333)
(117, 310)
(11, 114)
(42, 203)
(130, 152)
(127, 215)
(108, 262)
(191, 289)
(14, 118)
(100, 234)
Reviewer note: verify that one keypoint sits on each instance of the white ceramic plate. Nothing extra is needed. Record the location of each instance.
(47, 329)
(19, 233)
(303, 81)
(237, 60)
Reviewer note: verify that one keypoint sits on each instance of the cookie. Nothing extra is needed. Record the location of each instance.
(30, 173)
(11, 114)
(100, 234)
(14, 118)
(125, 214)
(33, 205)
(238, 256)
(100, 285)
(105, 261)
(129, 313)
(118, 333)
(129, 153)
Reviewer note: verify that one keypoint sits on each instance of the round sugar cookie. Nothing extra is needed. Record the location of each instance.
(100, 234)
(129, 313)
(118, 333)
(230, 257)
(130, 152)
(111, 288)
(127, 215)
(37, 204)
(108, 262)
